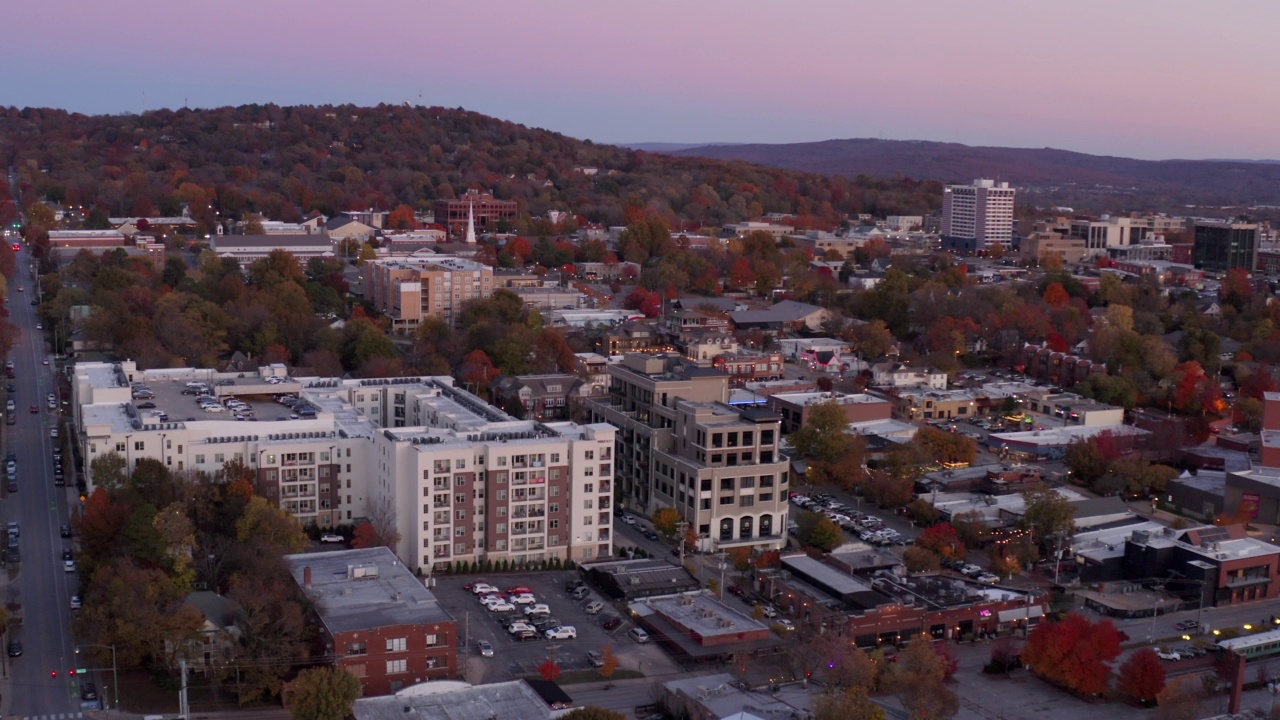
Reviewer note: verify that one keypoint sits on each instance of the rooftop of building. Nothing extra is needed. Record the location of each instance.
(1217, 543)
(364, 589)
(884, 428)
(698, 613)
(641, 574)
(669, 367)
(839, 398)
(1010, 388)
(1212, 481)
(431, 262)
(456, 700)
(1108, 542)
(1052, 436)
(721, 696)
(222, 243)
(828, 576)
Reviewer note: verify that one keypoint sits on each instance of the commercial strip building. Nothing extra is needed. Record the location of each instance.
(460, 480)
(875, 607)
(795, 407)
(409, 290)
(378, 622)
(681, 445)
(696, 626)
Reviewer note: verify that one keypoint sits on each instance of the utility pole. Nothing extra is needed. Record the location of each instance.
(183, 708)
(723, 564)
(681, 528)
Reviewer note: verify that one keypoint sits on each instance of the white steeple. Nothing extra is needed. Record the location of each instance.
(471, 224)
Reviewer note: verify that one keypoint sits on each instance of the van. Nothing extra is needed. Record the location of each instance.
(638, 635)
(580, 592)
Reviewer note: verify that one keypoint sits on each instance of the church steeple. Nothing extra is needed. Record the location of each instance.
(471, 224)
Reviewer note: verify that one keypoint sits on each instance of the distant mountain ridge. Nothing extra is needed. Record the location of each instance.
(1048, 170)
(668, 147)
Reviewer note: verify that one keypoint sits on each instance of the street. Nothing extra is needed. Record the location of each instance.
(37, 586)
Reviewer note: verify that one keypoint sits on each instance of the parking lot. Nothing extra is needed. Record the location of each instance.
(514, 658)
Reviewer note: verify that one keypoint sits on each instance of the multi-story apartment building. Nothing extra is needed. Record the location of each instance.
(679, 445)
(1223, 246)
(410, 290)
(458, 478)
(977, 216)
(543, 397)
(480, 207)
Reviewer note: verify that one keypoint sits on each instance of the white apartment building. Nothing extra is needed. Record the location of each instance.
(458, 478)
(978, 215)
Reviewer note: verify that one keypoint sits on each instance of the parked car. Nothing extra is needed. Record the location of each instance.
(524, 599)
(519, 590)
(638, 635)
(1188, 625)
(526, 635)
(15, 648)
(75, 602)
(516, 627)
(480, 588)
(628, 519)
(594, 607)
(784, 624)
(65, 531)
(613, 622)
(500, 606)
(580, 593)
(331, 538)
(536, 609)
(564, 632)
(1168, 655)
(595, 659)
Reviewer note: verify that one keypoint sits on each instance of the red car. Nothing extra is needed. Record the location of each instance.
(34, 409)
(519, 590)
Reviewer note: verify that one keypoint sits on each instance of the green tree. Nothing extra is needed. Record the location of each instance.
(824, 534)
(667, 521)
(268, 524)
(109, 471)
(851, 704)
(252, 225)
(824, 436)
(1048, 514)
(323, 693)
(1086, 461)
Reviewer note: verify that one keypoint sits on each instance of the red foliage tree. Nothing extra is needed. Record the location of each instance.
(1074, 653)
(520, 248)
(402, 218)
(646, 301)
(741, 275)
(365, 536)
(549, 670)
(1142, 675)
(1260, 382)
(477, 369)
(943, 540)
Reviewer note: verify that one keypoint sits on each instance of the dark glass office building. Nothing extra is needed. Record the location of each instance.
(1223, 246)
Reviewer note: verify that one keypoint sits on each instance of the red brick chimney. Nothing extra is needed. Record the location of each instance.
(306, 576)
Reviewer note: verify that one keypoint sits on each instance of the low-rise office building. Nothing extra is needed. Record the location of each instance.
(795, 407)
(378, 622)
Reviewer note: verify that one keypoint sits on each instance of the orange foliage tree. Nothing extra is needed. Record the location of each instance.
(1074, 653)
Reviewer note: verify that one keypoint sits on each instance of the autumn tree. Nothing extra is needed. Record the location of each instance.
(323, 693)
(917, 678)
(1180, 699)
(1074, 653)
(871, 340)
(608, 662)
(944, 446)
(943, 540)
(667, 520)
(109, 471)
(850, 704)
(402, 218)
(818, 530)
(549, 670)
(918, 559)
(846, 666)
(139, 611)
(1141, 676)
(1047, 515)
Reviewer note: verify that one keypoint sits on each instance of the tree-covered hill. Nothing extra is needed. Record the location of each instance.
(285, 162)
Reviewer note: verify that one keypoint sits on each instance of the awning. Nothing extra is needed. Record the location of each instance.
(1034, 611)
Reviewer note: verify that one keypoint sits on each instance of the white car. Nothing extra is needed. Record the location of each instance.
(482, 588)
(524, 599)
(628, 519)
(784, 624)
(331, 538)
(564, 632)
(1169, 655)
(517, 627)
(53, 432)
(988, 578)
(770, 611)
(538, 609)
(69, 565)
(500, 606)
(594, 607)
(490, 598)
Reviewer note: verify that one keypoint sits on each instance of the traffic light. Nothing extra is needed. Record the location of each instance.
(53, 673)
(72, 671)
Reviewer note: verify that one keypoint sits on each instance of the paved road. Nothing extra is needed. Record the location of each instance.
(43, 588)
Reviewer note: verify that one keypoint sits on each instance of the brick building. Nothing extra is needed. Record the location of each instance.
(453, 213)
(410, 290)
(377, 620)
(794, 407)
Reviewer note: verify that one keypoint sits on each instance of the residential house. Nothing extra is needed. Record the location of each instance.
(785, 315)
(540, 397)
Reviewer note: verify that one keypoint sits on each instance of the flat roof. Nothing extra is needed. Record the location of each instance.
(700, 613)
(822, 573)
(814, 398)
(511, 699)
(1107, 543)
(364, 589)
(1051, 436)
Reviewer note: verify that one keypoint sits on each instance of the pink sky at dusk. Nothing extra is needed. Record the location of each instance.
(1140, 78)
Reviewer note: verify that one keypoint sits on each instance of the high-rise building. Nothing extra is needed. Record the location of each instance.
(1223, 246)
(977, 216)
(680, 445)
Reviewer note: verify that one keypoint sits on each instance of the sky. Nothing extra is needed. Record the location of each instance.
(1152, 79)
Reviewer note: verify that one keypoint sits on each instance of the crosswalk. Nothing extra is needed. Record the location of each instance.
(55, 716)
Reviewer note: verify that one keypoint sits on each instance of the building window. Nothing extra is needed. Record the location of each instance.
(397, 644)
(357, 648)
(554, 524)
(746, 501)
(395, 667)
(433, 640)
(199, 459)
(555, 457)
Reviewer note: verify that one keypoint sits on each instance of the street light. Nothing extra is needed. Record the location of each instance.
(115, 677)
